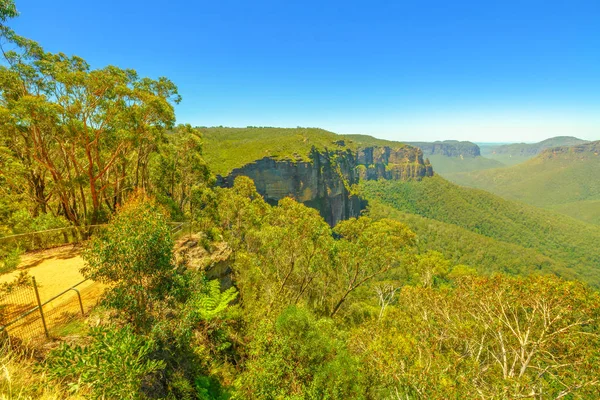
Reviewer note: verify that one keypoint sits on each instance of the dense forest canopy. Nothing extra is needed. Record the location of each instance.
(75, 141)
(565, 179)
(434, 292)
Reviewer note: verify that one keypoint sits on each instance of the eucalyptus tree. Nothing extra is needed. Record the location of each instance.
(79, 135)
(7, 10)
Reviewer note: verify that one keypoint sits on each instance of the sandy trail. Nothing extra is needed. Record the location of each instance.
(55, 270)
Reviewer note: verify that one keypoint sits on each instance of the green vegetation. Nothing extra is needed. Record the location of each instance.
(585, 210)
(412, 300)
(563, 239)
(464, 247)
(563, 179)
(445, 165)
(112, 353)
(516, 153)
(78, 166)
(230, 148)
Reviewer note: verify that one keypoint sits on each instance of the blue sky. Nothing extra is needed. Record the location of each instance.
(403, 70)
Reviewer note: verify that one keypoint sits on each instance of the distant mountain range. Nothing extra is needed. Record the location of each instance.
(565, 179)
(515, 153)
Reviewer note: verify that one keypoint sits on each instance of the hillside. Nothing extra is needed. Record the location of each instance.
(570, 243)
(315, 167)
(452, 156)
(566, 179)
(445, 165)
(515, 153)
(448, 148)
(228, 148)
(462, 246)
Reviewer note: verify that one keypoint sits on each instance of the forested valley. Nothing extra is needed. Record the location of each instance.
(433, 291)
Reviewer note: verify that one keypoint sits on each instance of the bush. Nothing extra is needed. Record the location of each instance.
(134, 255)
(114, 365)
(11, 260)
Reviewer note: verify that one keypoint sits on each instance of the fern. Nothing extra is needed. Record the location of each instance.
(213, 302)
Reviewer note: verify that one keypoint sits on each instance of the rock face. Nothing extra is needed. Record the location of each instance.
(326, 182)
(448, 148)
(532, 149)
(586, 150)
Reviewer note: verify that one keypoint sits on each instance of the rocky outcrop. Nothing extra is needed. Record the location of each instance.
(533, 149)
(448, 148)
(586, 150)
(327, 181)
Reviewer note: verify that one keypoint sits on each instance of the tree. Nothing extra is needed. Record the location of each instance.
(299, 357)
(81, 135)
(134, 254)
(497, 337)
(366, 249)
(7, 10)
(291, 250)
(177, 169)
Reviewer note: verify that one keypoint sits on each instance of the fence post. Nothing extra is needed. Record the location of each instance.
(37, 296)
(80, 302)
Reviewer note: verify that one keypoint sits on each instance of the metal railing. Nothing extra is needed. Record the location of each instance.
(24, 315)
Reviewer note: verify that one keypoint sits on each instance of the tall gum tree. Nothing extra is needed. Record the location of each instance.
(86, 129)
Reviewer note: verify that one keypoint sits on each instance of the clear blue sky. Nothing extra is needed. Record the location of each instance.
(405, 70)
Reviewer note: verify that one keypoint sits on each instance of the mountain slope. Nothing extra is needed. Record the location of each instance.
(452, 156)
(570, 243)
(566, 179)
(515, 153)
(445, 165)
(315, 167)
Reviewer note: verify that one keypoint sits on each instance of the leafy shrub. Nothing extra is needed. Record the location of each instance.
(11, 260)
(134, 254)
(114, 365)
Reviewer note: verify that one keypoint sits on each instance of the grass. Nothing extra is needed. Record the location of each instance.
(228, 148)
(75, 326)
(10, 261)
(21, 377)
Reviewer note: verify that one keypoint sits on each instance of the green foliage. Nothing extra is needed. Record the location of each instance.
(177, 168)
(7, 10)
(569, 243)
(366, 249)
(493, 337)
(561, 179)
(134, 254)
(10, 261)
(585, 210)
(212, 303)
(299, 357)
(462, 246)
(55, 157)
(113, 365)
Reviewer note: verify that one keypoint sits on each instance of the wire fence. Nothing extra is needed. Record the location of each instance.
(29, 319)
(25, 317)
(49, 238)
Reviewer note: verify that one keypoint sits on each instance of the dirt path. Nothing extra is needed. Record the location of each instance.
(54, 269)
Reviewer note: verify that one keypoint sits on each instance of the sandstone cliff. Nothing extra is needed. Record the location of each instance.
(448, 148)
(326, 182)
